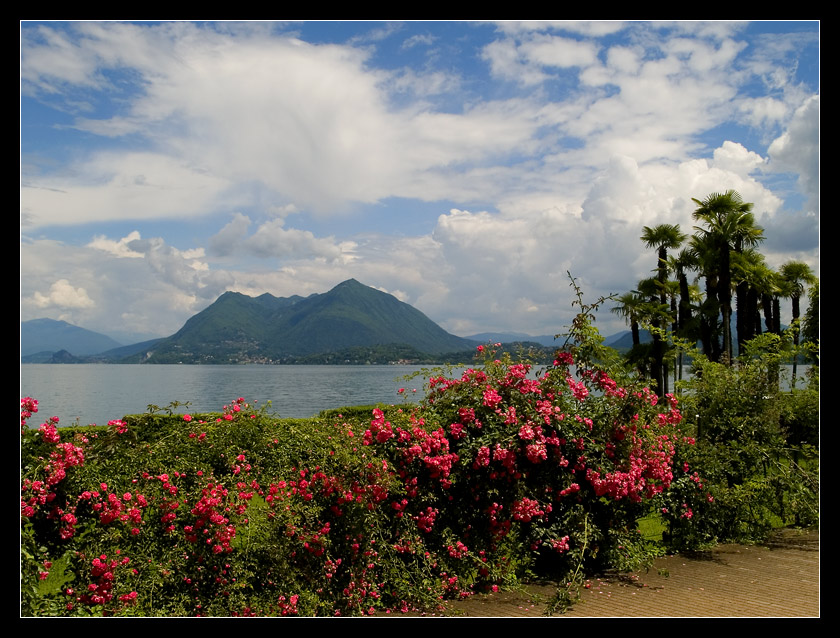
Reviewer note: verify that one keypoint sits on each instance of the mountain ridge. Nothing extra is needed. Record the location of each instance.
(351, 317)
(52, 335)
(350, 323)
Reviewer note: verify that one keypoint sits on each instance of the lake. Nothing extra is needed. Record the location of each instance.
(97, 393)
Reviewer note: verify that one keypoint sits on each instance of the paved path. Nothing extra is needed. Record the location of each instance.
(780, 579)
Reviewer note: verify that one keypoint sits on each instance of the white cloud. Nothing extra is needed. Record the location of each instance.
(130, 186)
(798, 149)
(734, 157)
(271, 239)
(596, 28)
(419, 39)
(557, 168)
(304, 123)
(226, 240)
(181, 270)
(763, 111)
(63, 295)
(118, 248)
(623, 59)
(560, 52)
(506, 61)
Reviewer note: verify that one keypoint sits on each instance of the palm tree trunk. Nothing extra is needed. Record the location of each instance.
(794, 301)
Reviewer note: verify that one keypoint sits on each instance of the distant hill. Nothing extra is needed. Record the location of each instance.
(623, 341)
(49, 335)
(237, 328)
(352, 323)
(515, 337)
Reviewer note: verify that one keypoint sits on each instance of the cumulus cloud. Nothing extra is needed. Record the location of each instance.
(225, 241)
(554, 169)
(798, 149)
(792, 236)
(63, 295)
(181, 270)
(732, 156)
(506, 61)
(271, 239)
(763, 111)
(118, 248)
(556, 51)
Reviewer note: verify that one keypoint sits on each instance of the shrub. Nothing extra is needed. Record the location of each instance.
(756, 448)
(499, 473)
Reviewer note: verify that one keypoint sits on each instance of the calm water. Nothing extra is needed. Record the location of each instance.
(98, 393)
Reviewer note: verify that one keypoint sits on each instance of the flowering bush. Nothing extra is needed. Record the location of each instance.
(499, 472)
(559, 463)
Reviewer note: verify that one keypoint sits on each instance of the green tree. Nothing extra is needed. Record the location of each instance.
(662, 237)
(753, 279)
(729, 227)
(630, 308)
(811, 327)
(703, 256)
(657, 315)
(796, 274)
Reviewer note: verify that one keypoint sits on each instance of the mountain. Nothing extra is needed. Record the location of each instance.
(515, 337)
(49, 335)
(623, 341)
(237, 328)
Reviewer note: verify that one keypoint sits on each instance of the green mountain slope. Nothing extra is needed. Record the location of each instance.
(237, 328)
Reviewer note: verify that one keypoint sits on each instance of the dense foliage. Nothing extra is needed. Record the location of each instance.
(501, 472)
(757, 447)
(497, 474)
(722, 253)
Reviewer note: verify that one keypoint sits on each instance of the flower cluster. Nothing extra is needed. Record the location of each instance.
(28, 407)
(491, 464)
(99, 591)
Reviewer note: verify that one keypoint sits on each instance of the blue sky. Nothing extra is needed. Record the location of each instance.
(462, 167)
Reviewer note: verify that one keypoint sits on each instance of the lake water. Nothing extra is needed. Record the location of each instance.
(98, 393)
(95, 393)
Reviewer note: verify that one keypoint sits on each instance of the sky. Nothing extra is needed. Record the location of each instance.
(464, 167)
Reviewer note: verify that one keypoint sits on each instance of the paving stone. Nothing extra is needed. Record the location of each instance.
(780, 579)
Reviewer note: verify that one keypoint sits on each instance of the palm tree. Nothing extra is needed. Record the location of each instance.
(752, 277)
(796, 274)
(658, 315)
(680, 264)
(703, 255)
(730, 226)
(634, 308)
(630, 307)
(662, 237)
(769, 286)
(811, 329)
